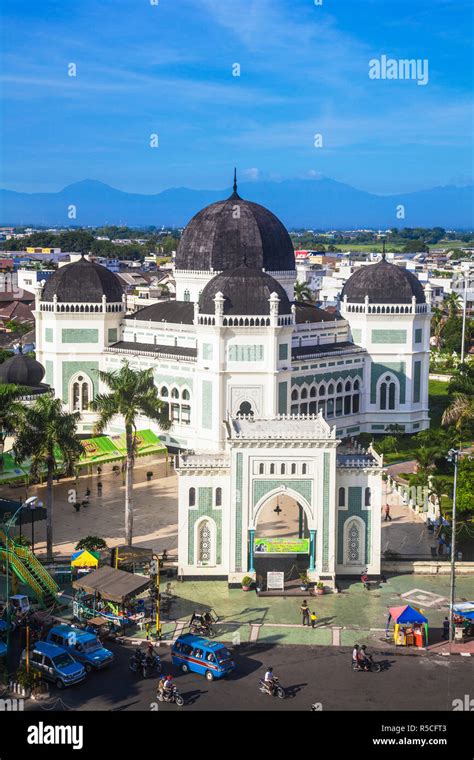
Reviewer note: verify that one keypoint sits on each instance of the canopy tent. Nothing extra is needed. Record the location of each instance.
(113, 585)
(98, 450)
(10, 471)
(406, 615)
(465, 610)
(85, 558)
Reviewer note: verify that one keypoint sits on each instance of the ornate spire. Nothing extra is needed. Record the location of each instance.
(383, 249)
(235, 179)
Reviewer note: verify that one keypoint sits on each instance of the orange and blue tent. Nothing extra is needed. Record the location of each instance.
(406, 615)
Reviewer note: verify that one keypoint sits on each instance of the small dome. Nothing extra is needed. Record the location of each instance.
(383, 283)
(218, 238)
(83, 281)
(245, 290)
(21, 370)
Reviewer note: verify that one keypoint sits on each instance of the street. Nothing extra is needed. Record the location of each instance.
(309, 675)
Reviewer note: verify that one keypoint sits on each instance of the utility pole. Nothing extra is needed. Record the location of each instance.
(453, 456)
(464, 309)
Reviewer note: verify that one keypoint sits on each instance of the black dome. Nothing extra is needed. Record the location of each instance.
(383, 283)
(246, 291)
(21, 370)
(83, 281)
(215, 240)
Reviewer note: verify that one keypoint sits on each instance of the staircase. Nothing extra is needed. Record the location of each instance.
(30, 571)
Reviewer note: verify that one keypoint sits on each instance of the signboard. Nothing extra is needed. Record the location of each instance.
(281, 546)
(275, 581)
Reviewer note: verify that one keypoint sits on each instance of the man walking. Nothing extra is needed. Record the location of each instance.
(387, 513)
(305, 612)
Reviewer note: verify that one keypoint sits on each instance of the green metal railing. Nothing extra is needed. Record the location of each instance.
(31, 564)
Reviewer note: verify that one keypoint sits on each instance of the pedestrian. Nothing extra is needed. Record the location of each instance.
(440, 544)
(305, 612)
(445, 629)
(387, 513)
(313, 619)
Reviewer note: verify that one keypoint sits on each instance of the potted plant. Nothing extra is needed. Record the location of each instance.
(304, 581)
(320, 588)
(246, 583)
(149, 475)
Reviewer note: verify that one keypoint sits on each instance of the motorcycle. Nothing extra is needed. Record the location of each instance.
(201, 629)
(369, 667)
(277, 690)
(171, 695)
(152, 665)
(137, 663)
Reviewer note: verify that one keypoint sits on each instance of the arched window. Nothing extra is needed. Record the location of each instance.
(282, 469)
(293, 469)
(304, 393)
(204, 552)
(387, 393)
(342, 497)
(261, 468)
(304, 469)
(330, 389)
(339, 388)
(322, 390)
(294, 395)
(312, 391)
(80, 393)
(175, 393)
(367, 497)
(356, 385)
(348, 386)
(272, 469)
(192, 497)
(218, 497)
(164, 391)
(185, 395)
(245, 409)
(186, 295)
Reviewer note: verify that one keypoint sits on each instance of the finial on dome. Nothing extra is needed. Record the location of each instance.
(235, 179)
(383, 249)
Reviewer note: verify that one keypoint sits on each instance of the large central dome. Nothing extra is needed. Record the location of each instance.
(228, 233)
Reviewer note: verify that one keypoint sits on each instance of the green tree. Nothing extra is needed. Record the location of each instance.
(303, 292)
(11, 411)
(132, 394)
(465, 487)
(91, 543)
(438, 320)
(452, 304)
(460, 412)
(48, 437)
(387, 445)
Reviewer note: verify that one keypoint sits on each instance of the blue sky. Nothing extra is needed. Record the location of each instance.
(167, 69)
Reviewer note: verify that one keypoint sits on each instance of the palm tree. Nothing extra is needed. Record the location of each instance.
(303, 292)
(132, 393)
(11, 410)
(47, 436)
(460, 412)
(438, 320)
(452, 304)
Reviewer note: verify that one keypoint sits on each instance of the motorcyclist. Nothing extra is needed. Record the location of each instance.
(355, 653)
(168, 686)
(269, 680)
(363, 658)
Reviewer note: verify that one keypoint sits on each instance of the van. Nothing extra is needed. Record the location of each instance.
(84, 646)
(54, 664)
(209, 658)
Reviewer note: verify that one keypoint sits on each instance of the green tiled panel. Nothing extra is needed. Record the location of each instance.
(247, 353)
(48, 334)
(416, 381)
(238, 511)
(355, 500)
(207, 404)
(207, 351)
(283, 351)
(112, 335)
(389, 336)
(172, 380)
(71, 368)
(419, 335)
(397, 368)
(326, 483)
(282, 398)
(356, 335)
(48, 377)
(79, 336)
(351, 373)
(204, 509)
(262, 487)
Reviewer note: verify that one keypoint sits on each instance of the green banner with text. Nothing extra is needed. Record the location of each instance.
(281, 546)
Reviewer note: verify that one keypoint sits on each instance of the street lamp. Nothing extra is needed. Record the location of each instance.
(453, 456)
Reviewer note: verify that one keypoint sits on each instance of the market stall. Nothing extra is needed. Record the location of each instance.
(463, 619)
(112, 594)
(410, 626)
(84, 561)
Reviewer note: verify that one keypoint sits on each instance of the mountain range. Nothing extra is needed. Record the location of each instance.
(300, 203)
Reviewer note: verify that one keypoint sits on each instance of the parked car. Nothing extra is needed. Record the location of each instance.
(54, 664)
(83, 645)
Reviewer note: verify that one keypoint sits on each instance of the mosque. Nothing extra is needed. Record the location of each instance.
(263, 392)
